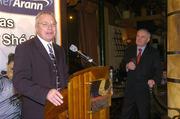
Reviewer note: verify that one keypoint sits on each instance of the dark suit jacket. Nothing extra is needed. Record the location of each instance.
(148, 68)
(34, 75)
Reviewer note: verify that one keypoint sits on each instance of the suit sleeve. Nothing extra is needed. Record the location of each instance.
(128, 57)
(157, 69)
(23, 75)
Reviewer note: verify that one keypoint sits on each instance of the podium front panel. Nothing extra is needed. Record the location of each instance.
(80, 99)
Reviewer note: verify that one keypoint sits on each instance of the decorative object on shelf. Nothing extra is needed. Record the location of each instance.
(126, 14)
(143, 11)
(118, 43)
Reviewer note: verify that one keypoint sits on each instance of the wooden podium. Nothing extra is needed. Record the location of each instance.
(89, 95)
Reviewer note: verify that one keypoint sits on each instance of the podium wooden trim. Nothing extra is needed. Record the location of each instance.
(78, 97)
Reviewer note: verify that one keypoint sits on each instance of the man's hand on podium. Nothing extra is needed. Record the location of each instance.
(55, 97)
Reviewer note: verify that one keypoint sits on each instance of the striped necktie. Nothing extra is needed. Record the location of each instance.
(51, 53)
(53, 59)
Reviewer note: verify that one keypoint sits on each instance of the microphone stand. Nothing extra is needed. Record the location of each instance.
(73, 48)
(93, 63)
(89, 60)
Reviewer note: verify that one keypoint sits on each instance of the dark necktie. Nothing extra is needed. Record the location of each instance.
(51, 54)
(53, 59)
(139, 55)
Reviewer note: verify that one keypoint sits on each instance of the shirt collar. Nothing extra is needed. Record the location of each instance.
(141, 48)
(45, 44)
(43, 41)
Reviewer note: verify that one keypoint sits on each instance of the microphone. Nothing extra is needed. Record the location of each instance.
(73, 48)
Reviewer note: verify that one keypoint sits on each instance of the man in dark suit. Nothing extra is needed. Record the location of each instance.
(40, 70)
(143, 71)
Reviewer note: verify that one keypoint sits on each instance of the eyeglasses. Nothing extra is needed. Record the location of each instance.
(47, 25)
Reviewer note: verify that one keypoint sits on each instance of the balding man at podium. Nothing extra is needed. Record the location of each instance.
(40, 70)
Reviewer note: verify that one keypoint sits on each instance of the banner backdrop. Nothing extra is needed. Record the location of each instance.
(17, 19)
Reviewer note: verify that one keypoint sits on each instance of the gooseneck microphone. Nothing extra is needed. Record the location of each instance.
(74, 48)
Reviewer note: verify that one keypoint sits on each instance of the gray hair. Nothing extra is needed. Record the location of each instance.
(43, 13)
(145, 30)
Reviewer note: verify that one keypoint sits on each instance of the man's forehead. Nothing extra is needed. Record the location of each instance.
(142, 31)
(41, 18)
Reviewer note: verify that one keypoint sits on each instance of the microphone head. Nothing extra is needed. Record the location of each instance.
(73, 48)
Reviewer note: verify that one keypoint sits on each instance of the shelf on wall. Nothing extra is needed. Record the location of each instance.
(143, 18)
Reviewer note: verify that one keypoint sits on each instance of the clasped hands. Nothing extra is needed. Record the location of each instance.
(130, 66)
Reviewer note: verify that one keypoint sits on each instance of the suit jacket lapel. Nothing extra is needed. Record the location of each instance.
(56, 51)
(57, 54)
(42, 50)
(145, 53)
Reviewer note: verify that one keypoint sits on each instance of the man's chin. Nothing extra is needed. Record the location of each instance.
(50, 38)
